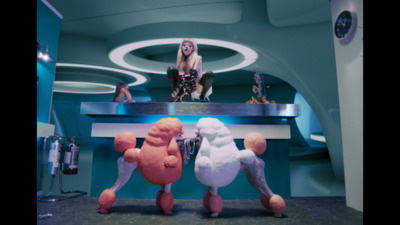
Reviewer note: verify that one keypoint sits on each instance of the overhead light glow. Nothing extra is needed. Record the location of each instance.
(79, 87)
(117, 55)
(93, 87)
(140, 79)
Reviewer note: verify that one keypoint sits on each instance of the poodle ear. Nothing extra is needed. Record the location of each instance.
(172, 146)
(205, 147)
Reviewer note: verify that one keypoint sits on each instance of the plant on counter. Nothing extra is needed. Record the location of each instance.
(258, 89)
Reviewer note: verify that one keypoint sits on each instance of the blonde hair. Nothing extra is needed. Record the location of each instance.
(191, 59)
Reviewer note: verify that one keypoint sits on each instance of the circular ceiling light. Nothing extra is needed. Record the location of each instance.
(121, 56)
(89, 85)
(83, 87)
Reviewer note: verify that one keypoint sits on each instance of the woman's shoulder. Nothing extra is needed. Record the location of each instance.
(198, 59)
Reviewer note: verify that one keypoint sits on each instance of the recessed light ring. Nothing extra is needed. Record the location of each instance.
(61, 85)
(121, 56)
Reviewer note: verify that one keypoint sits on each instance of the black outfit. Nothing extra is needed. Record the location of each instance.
(183, 85)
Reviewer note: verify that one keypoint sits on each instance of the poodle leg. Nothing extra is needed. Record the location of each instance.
(167, 199)
(264, 199)
(107, 197)
(255, 175)
(274, 203)
(216, 204)
(159, 194)
(106, 200)
(206, 198)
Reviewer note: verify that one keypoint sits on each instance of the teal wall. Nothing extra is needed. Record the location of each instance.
(48, 33)
(308, 122)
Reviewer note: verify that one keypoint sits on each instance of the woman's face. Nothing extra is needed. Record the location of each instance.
(123, 90)
(187, 48)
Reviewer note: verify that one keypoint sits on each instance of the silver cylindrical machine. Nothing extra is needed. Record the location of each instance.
(53, 161)
(71, 158)
(62, 159)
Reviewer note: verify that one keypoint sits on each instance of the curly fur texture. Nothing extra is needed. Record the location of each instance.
(160, 161)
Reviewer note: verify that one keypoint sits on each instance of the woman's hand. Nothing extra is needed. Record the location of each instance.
(128, 95)
(123, 91)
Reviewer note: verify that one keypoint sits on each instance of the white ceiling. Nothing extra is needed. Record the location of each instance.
(103, 18)
(88, 26)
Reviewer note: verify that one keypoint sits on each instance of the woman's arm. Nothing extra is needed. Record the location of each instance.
(119, 99)
(128, 96)
(197, 66)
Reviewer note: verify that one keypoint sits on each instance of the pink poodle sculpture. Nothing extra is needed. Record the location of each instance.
(159, 162)
(219, 161)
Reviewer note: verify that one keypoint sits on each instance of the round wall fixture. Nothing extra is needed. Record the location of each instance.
(122, 56)
(92, 79)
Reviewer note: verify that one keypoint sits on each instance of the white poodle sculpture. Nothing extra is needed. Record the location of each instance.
(219, 161)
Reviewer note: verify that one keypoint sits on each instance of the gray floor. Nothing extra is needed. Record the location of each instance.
(306, 210)
(318, 198)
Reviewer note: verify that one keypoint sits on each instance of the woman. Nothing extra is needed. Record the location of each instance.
(122, 93)
(186, 79)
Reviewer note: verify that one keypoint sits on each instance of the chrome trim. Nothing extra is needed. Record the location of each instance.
(95, 109)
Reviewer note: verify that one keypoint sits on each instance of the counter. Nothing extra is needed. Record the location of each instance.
(240, 118)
